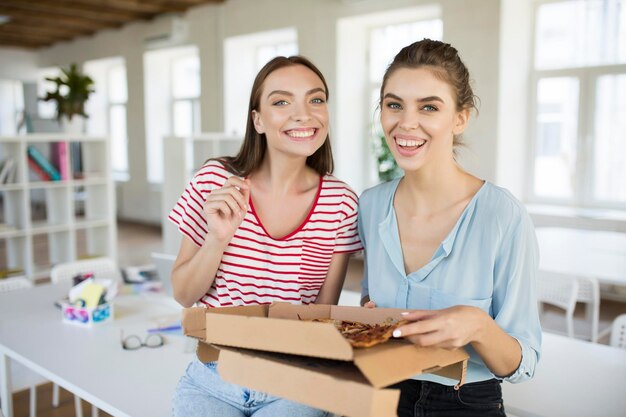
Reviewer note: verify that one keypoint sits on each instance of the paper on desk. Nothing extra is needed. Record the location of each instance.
(91, 294)
(109, 287)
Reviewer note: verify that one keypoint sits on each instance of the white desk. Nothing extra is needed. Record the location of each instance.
(590, 253)
(90, 362)
(574, 378)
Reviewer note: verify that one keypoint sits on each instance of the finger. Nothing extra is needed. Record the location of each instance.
(415, 315)
(235, 193)
(238, 182)
(436, 338)
(417, 327)
(233, 204)
(218, 206)
(246, 190)
(370, 304)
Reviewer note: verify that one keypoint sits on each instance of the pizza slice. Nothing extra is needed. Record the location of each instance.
(363, 335)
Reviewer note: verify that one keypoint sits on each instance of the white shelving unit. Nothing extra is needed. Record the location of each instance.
(183, 156)
(74, 217)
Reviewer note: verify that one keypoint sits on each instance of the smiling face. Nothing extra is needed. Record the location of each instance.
(293, 113)
(420, 119)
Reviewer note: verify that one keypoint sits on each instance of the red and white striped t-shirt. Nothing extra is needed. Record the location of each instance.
(258, 269)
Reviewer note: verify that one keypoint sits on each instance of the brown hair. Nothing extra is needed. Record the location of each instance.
(444, 61)
(254, 144)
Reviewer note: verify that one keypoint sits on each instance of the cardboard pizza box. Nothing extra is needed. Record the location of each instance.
(310, 362)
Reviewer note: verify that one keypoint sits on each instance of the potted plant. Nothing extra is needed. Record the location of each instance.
(388, 168)
(72, 91)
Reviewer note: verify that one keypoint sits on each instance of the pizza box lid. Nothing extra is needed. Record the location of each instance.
(284, 328)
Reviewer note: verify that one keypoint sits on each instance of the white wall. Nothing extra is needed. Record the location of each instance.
(18, 64)
(515, 60)
(471, 25)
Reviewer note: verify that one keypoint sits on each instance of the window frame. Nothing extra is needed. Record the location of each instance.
(194, 100)
(118, 176)
(587, 77)
(373, 113)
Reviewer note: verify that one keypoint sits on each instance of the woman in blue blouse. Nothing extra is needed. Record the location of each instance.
(459, 250)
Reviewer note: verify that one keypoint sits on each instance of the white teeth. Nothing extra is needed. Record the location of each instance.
(409, 142)
(301, 133)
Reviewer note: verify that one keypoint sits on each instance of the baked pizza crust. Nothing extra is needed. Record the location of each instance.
(363, 335)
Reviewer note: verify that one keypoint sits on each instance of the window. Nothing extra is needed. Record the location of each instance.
(106, 109)
(172, 107)
(609, 163)
(244, 56)
(557, 123)
(580, 33)
(366, 45)
(185, 95)
(266, 52)
(579, 79)
(384, 43)
(12, 108)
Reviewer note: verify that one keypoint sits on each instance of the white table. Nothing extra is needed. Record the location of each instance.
(90, 362)
(574, 378)
(590, 253)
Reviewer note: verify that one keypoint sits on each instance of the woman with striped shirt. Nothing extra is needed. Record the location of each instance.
(270, 224)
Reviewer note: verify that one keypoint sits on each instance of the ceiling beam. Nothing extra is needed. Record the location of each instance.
(30, 40)
(36, 23)
(90, 13)
(29, 26)
(55, 20)
(195, 2)
(15, 44)
(26, 36)
(153, 7)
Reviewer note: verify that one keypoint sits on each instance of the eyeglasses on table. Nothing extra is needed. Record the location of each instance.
(134, 342)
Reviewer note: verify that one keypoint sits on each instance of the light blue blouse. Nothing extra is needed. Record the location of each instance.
(489, 260)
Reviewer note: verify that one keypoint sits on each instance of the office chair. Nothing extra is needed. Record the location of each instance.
(559, 291)
(618, 332)
(588, 294)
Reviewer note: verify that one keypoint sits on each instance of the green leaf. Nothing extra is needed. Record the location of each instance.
(79, 87)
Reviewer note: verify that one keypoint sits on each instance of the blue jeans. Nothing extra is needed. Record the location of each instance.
(429, 399)
(201, 392)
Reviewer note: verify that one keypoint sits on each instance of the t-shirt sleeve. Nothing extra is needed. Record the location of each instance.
(187, 213)
(348, 240)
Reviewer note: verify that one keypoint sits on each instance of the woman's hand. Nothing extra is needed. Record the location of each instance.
(225, 209)
(448, 328)
(367, 303)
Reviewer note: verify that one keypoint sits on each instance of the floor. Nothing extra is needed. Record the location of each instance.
(21, 405)
(135, 244)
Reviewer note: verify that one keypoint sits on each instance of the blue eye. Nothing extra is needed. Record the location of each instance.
(394, 106)
(318, 101)
(429, 108)
(280, 103)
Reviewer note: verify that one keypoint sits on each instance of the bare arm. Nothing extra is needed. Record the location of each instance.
(456, 327)
(501, 353)
(329, 294)
(195, 267)
(194, 270)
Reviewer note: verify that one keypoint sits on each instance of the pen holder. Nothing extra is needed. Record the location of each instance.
(87, 316)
